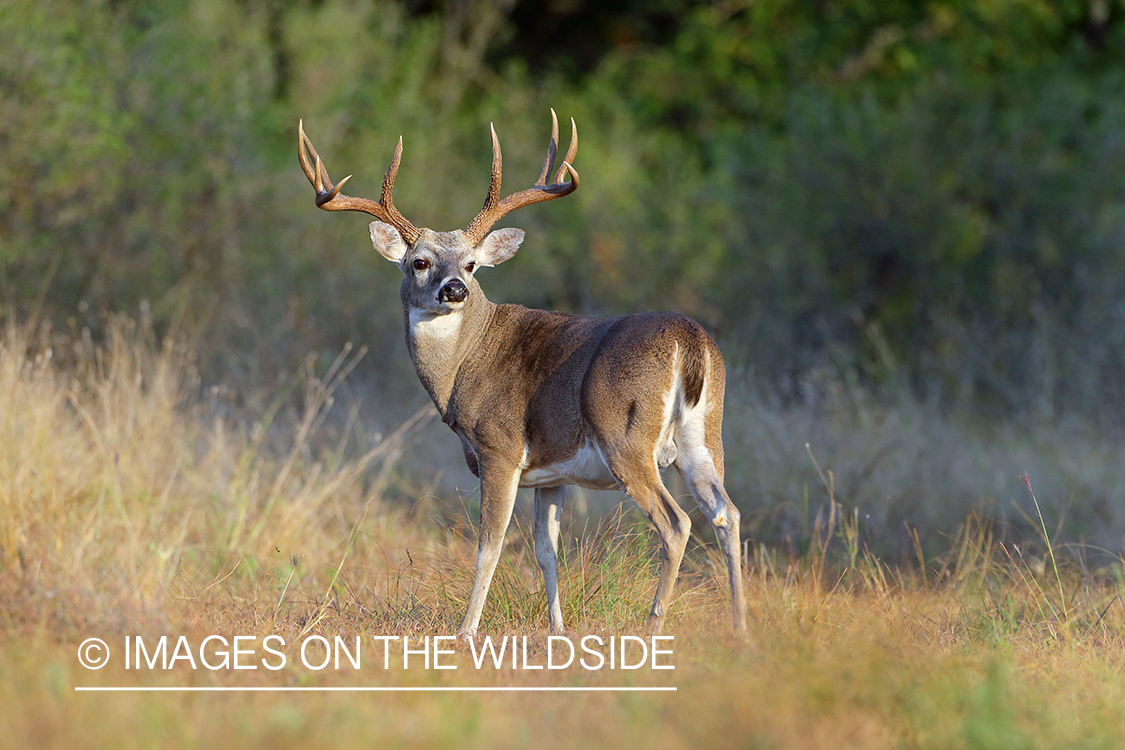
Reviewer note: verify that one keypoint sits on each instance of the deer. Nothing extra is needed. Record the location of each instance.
(544, 399)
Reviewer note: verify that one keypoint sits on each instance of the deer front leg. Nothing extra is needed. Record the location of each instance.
(498, 485)
(548, 507)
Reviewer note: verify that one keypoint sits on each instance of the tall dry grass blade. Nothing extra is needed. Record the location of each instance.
(1047, 541)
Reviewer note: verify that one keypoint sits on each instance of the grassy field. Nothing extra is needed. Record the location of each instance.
(133, 506)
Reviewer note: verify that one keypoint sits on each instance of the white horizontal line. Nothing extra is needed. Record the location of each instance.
(224, 689)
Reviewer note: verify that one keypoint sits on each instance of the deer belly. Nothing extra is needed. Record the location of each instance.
(586, 468)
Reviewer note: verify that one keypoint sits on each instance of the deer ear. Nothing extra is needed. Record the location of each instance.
(387, 241)
(498, 246)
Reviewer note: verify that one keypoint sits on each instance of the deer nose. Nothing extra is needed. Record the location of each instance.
(453, 291)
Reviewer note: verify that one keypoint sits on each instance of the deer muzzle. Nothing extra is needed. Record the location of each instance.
(453, 290)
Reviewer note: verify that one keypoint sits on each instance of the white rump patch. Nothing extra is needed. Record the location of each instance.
(695, 460)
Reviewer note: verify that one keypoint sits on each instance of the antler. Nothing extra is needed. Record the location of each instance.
(329, 197)
(494, 209)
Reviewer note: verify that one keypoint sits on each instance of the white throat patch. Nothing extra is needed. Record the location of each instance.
(436, 329)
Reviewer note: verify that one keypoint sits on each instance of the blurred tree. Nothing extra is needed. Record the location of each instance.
(918, 194)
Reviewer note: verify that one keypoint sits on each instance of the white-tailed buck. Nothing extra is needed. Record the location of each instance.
(544, 399)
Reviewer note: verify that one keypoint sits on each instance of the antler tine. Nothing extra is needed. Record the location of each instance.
(408, 231)
(552, 150)
(304, 148)
(494, 209)
(571, 152)
(389, 178)
(573, 184)
(497, 176)
(302, 155)
(329, 198)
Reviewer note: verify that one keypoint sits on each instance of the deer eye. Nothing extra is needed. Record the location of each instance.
(421, 264)
(471, 266)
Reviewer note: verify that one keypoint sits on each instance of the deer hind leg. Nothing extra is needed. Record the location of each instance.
(709, 493)
(498, 486)
(700, 463)
(640, 480)
(548, 507)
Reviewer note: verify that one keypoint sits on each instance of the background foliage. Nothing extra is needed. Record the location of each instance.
(918, 201)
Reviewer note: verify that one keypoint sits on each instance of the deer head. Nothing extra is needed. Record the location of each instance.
(438, 267)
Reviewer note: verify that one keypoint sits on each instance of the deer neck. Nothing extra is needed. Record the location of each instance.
(440, 344)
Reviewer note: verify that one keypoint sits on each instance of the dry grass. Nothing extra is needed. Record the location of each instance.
(127, 507)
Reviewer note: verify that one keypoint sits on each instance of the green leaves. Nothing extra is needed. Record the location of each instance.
(800, 176)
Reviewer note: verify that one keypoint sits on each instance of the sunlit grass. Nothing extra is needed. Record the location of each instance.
(128, 506)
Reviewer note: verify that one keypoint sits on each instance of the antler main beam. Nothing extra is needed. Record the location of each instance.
(494, 208)
(329, 197)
